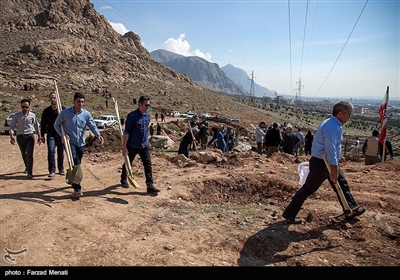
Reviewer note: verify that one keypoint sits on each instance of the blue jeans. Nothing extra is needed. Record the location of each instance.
(77, 154)
(53, 141)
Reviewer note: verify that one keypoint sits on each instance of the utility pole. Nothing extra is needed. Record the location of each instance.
(298, 91)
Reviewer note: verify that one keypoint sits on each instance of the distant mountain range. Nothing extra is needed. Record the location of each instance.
(227, 79)
(240, 77)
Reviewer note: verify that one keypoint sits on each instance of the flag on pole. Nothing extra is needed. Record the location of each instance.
(383, 114)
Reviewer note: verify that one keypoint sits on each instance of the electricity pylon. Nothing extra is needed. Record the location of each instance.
(252, 85)
(298, 91)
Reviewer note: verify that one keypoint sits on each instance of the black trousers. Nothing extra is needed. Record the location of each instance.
(144, 154)
(26, 145)
(317, 175)
(184, 147)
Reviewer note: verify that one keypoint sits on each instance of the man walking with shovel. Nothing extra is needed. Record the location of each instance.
(326, 146)
(74, 121)
(135, 141)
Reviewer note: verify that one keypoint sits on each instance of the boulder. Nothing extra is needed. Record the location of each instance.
(161, 141)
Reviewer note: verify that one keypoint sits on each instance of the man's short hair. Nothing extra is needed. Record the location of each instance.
(342, 106)
(375, 133)
(25, 100)
(143, 98)
(78, 95)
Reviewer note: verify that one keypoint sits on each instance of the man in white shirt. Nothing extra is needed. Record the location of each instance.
(299, 135)
(259, 135)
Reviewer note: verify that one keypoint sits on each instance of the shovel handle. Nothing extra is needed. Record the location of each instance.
(67, 146)
(128, 165)
(337, 187)
(193, 138)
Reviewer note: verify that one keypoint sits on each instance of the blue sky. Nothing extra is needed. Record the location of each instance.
(335, 48)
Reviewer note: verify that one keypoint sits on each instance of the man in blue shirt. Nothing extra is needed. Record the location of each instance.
(75, 119)
(135, 141)
(328, 139)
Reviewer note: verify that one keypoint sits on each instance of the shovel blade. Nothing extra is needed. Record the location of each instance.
(74, 175)
(69, 177)
(129, 173)
(132, 181)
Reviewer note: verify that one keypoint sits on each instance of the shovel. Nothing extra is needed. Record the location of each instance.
(348, 212)
(74, 172)
(128, 165)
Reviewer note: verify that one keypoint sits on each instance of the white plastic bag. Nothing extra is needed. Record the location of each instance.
(303, 170)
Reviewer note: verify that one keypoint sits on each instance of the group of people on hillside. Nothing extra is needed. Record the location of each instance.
(272, 139)
(161, 116)
(30, 86)
(200, 133)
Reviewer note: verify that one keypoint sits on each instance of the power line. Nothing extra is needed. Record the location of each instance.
(342, 48)
(290, 50)
(312, 29)
(304, 38)
(137, 23)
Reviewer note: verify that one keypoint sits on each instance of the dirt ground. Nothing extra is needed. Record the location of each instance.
(214, 214)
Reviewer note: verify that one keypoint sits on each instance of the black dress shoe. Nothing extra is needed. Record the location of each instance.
(359, 211)
(124, 184)
(152, 189)
(295, 220)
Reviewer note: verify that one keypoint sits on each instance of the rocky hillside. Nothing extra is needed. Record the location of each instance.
(69, 41)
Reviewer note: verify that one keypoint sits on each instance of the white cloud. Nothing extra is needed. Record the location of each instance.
(182, 47)
(119, 27)
(107, 7)
(206, 56)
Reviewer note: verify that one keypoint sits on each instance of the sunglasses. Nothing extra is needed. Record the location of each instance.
(25, 107)
(147, 105)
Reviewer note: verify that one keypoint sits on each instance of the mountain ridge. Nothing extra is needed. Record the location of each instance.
(240, 77)
(201, 71)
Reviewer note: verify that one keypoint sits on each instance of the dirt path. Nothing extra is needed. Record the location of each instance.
(226, 214)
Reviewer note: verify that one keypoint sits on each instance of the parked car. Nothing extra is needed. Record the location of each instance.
(190, 115)
(234, 119)
(206, 114)
(104, 121)
(7, 123)
(175, 114)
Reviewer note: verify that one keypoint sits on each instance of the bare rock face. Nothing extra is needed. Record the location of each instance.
(68, 41)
